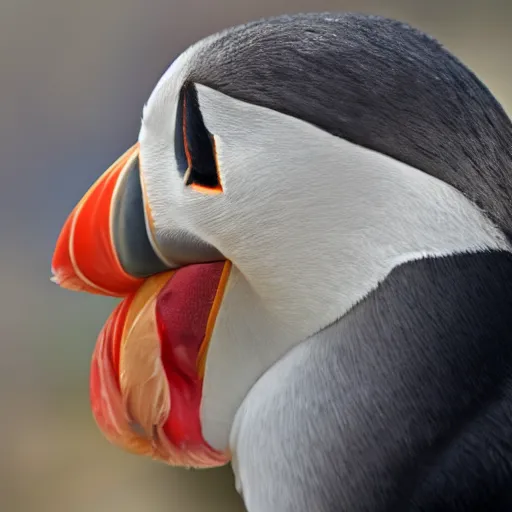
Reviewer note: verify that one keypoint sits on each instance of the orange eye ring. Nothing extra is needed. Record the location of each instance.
(196, 150)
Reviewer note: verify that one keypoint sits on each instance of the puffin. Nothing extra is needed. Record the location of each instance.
(311, 243)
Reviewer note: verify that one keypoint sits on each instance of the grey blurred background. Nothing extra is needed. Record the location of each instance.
(73, 79)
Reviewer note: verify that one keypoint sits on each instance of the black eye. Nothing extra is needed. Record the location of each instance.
(195, 145)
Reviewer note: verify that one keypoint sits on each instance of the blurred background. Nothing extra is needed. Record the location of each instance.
(73, 79)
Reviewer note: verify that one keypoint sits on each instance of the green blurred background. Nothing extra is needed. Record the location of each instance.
(74, 76)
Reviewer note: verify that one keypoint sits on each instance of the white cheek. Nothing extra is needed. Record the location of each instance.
(301, 202)
(268, 164)
(262, 148)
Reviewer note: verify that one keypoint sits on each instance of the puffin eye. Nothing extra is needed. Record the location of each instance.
(195, 145)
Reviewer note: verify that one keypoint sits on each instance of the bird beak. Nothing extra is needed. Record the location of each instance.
(149, 362)
(148, 366)
(105, 246)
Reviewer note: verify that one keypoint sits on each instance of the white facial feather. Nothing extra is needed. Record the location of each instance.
(311, 222)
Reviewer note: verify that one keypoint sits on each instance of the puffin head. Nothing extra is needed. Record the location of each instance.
(282, 169)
